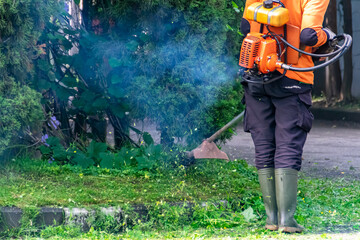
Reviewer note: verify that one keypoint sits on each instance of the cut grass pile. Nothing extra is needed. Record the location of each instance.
(325, 206)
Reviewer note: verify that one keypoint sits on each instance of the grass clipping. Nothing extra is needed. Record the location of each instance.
(324, 206)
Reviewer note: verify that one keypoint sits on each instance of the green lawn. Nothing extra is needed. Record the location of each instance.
(30, 183)
(190, 234)
(325, 206)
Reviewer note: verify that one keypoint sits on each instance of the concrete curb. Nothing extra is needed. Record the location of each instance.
(333, 114)
(11, 217)
(50, 217)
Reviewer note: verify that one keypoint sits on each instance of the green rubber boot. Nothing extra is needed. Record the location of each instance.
(286, 195)
(267, 185)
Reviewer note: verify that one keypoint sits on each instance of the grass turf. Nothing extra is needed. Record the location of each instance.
(324, 207)
(36, 184)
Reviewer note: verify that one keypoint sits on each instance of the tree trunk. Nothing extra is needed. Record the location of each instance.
(60, 114)
(165, 139)
(80, 126)
(121, 130)
(333, 72)
(75, 11)
(348, 64)
(86, 14)
(98, 128)
(65, 125)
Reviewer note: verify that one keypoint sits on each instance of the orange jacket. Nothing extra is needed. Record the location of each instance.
(308, 15)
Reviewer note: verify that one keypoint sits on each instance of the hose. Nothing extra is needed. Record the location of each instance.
(313, 54)
(341, 51)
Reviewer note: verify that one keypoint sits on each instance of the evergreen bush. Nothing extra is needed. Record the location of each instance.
(174, 62)
(20, 109)
(21, 24)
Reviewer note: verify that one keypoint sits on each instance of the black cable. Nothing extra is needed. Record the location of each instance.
(279, 2)
(285, 50)
(347, 44)
(265, 82)
(342, 49)
(313, 54)
(277, 40)
(307, 53)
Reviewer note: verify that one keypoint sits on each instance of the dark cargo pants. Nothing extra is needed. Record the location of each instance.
(277, 116)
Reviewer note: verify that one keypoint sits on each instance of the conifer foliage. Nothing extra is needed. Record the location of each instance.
(21, 23)
(170, 61)
(173, 62)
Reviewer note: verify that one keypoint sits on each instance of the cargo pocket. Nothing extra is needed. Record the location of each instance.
(254, 89)
(245, 121)
(305, 117)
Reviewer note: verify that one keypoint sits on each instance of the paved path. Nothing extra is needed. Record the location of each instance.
(332, 149)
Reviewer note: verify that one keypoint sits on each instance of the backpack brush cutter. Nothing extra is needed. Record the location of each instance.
(272, 45)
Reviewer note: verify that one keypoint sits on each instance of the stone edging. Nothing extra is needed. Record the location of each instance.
(333, 114)
(50, 216)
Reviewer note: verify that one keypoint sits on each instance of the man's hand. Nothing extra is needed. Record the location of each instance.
(328, 47)
(321, 59)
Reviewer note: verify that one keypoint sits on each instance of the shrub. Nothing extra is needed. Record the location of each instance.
(21, 24)
(144, 158)
(20, 109)
(174, 62)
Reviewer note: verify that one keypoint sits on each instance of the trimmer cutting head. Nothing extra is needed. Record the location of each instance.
(208, 150)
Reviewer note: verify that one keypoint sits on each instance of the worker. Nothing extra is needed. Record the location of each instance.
(277, 116)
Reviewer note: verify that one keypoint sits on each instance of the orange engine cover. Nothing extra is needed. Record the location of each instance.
(293, 37)
(266, 53)
(259, 52)
(249, 50)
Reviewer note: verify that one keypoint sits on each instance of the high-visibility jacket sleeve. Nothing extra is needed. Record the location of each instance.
(311, 24)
